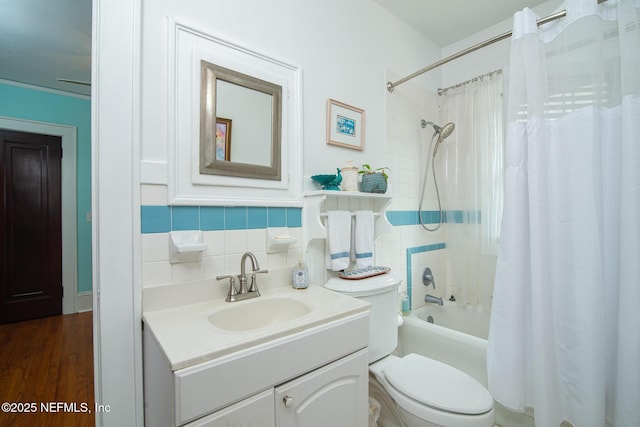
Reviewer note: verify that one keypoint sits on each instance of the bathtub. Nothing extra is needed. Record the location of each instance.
(458, 337)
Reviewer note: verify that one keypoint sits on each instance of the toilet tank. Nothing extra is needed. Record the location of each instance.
(382, 293)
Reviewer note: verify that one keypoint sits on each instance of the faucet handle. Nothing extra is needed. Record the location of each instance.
(427, 278)
(254, 286)
(227, 276)
(232, 286)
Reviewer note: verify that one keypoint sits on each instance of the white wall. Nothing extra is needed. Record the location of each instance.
(347, 51)
(344, 49)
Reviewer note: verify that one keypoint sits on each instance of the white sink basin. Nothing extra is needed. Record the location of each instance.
(198, 332)
(258, 313)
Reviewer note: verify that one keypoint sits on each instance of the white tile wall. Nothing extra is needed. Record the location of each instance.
(223, 254)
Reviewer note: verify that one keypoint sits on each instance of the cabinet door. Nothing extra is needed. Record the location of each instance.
(335, 395)
(254, 411)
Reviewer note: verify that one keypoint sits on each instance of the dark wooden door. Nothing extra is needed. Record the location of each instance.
(30, 226)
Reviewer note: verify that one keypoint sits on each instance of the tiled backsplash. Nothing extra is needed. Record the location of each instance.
(231, 231)
(228, 232)
(419, 257)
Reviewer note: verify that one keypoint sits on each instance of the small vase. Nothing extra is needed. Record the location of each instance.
(373, 183)
(349, 177)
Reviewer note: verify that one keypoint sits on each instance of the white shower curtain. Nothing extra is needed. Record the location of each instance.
(565, 326)
(471, 162)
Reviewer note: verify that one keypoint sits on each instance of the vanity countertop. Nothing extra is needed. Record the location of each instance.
(187, 337)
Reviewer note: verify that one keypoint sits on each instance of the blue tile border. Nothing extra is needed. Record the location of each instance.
(256, 217)
(401, 218)
(163, 219)
(185, 218)
(416, 250)
(277, 217)
(211, 218)
(155, 219)
(235, 218)
(294, 217)
(463, 217)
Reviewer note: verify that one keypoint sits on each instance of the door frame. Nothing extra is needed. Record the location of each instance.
(69, 210)
(116, 90)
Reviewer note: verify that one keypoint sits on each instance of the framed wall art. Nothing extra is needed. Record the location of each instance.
(345, 125)
(223, 139)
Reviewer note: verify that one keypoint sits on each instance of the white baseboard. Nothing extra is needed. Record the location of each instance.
(84, 301)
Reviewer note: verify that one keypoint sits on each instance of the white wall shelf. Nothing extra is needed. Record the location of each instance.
(316, 203)
(348, 194)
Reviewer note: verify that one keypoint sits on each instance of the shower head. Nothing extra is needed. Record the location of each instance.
(443, 132)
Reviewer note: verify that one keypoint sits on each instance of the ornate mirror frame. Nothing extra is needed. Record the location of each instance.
(209, 164)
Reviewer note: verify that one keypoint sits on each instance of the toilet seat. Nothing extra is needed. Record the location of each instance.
(438, 385)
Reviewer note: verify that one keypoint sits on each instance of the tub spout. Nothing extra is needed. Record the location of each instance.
(432, 299)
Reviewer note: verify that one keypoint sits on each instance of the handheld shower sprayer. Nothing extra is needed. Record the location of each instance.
(443, 133)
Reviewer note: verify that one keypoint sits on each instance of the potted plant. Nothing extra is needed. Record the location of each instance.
(373, 180)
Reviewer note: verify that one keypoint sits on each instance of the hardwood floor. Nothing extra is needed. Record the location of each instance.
(46, 368)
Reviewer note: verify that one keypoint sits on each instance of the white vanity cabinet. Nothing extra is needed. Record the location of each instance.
(254, 411)
(319, 364)
(334, 395)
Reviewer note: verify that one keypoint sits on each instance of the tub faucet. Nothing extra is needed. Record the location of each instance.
(432, 299)
(241, 293)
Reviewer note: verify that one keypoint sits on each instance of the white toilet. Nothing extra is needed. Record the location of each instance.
(414, 391)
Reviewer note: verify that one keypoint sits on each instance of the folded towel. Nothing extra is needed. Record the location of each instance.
(338, 240)
(364, 239)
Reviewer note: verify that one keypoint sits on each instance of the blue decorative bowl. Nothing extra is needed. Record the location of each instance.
(329, 182)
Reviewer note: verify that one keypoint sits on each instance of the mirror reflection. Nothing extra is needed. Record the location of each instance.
(240, 121)
(244, 117)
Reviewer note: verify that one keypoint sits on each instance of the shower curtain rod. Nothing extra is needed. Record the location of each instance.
(557, 15)
(442, 91)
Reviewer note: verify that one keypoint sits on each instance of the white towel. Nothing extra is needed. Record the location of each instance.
(338, 240)
(364, 239)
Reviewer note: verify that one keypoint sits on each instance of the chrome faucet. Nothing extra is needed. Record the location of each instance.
(255, 269)
(432, 299)
(242, 277)
(242, 293)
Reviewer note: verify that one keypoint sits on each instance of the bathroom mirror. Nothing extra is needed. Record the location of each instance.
(240, 124)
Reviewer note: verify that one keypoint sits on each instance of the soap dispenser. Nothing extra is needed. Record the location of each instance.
(300, 276)
(404, 303)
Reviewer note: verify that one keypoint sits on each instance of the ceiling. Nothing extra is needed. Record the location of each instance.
(447, 21)
(43, 40)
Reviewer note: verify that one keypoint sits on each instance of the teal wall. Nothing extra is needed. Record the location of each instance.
(41, 106)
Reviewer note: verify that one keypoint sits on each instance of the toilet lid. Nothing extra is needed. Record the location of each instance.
(364, 287)
(438, 385)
